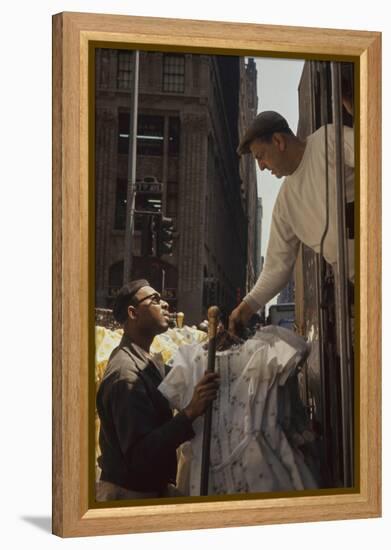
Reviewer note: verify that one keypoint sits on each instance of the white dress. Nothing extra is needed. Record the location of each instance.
(249, 450)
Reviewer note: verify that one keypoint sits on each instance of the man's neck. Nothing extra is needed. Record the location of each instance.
(143, 341)
(297, 154)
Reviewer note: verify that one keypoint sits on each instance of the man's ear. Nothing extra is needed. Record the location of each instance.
(132, 312)
(279, 141)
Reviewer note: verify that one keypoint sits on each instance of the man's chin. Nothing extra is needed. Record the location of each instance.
(164, 325)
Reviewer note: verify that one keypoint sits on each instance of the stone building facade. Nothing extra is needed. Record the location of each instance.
(191, 108)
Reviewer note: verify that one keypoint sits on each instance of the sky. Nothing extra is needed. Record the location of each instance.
(277, 82)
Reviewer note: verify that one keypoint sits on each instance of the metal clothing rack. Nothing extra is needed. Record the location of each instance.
(213, 318)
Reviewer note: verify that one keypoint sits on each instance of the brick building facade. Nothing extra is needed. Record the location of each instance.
(191, 109)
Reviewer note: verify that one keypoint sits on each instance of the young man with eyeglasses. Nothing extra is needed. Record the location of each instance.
(138, 433)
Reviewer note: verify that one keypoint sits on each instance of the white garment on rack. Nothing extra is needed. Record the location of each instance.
(249, 450)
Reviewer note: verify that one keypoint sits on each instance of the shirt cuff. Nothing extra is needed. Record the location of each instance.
(184, 426)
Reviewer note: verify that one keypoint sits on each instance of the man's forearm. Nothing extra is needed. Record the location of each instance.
(267, 286)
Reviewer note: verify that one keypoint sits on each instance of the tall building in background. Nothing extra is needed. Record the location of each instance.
(190, 111)
(247, 167)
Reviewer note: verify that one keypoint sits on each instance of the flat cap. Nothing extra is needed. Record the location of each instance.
(266, 122)
(124, 299)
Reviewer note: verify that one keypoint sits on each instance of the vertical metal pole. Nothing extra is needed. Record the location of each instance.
(130, 196)
(322, 68)
(213, 317)
(343, 324)
(166, 160)
(163, 280)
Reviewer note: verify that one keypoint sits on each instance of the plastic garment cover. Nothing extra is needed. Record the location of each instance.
(251, 450)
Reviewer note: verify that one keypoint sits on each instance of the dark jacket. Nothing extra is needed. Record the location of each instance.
(138, 433)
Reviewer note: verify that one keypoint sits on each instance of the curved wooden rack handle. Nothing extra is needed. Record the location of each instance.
(213, 319)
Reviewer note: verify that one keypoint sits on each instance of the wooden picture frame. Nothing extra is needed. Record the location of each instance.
(72, 293)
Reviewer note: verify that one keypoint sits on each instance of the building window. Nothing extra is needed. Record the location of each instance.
(124, 70)
(173, 136)
(120, 204)
(123, 133)
(150, 135)
(174, 73)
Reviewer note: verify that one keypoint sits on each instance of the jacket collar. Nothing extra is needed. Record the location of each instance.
(143, 358)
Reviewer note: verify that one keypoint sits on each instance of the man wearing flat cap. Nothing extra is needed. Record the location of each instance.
(138, 433)
(305, 209)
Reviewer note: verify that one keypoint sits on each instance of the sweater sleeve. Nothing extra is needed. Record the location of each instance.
(280, 259)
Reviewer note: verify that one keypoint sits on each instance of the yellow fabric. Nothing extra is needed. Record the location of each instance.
(105, 341)
(164, 344)
(167, 343)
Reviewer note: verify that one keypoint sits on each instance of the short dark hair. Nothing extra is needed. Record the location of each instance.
(267, 138)
(125, 298)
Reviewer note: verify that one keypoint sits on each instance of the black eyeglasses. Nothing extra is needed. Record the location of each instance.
(155, 299)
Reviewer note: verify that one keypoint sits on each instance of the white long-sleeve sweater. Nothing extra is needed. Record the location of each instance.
(299, 214)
